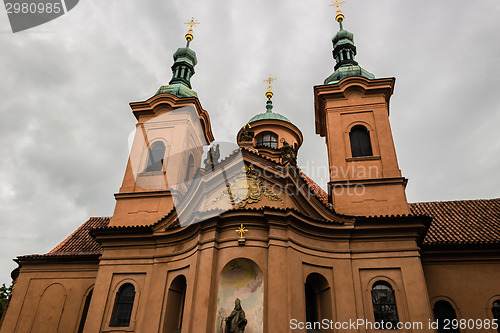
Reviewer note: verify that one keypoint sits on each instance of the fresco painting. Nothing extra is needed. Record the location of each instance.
(241, 278)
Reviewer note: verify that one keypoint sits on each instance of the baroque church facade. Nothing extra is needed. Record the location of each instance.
(249, 243)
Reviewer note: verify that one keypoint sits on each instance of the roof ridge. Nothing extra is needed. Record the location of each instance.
(451, 201)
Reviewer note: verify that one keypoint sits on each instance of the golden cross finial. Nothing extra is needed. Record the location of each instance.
(270, 80)
(93, 212)
(191, 23)
(337, 4)
(241, 230)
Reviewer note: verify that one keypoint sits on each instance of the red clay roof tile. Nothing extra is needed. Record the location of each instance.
(80, 241)
(464, 222)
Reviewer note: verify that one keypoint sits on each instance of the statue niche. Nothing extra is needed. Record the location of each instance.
(236, 321)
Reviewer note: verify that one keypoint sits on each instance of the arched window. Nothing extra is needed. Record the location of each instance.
(85, 311)
(267, 139)
(443, 310)
(156, 153)
(384, 303)
(495, 309)
(175, 305)
(124, 302)
(318, 298)
(190, 168)
(360, 141)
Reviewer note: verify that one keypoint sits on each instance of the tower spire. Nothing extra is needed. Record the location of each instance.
(344, 51)
(183, 67)
(269, 93)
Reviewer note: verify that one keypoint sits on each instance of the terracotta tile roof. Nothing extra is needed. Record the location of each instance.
(80, 241)
(317, 190)
(79, 244)
(467, 222)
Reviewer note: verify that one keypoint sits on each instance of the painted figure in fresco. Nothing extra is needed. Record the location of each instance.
(236, 321)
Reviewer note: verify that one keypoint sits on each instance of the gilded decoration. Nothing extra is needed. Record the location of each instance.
(246, 188)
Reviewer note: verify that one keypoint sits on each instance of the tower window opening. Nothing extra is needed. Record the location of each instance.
(156, 154)
(384, 303)
(267, 139)
(444, 312)
(360, 141)
(124, 304)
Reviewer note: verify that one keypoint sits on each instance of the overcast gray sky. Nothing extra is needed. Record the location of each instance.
(65, 88)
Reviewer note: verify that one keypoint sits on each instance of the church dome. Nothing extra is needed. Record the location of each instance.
(269, 115)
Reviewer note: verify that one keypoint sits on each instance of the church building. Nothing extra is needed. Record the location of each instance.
(209, 237)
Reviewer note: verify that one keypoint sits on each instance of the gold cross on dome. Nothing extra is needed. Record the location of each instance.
(269, 81)
(269, 92)
(337, 4)
(241, 230)
(189, 35)
(192, 23)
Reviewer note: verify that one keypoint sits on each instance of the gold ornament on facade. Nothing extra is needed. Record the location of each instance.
(246, 188)
(191, 23)
(241, 230)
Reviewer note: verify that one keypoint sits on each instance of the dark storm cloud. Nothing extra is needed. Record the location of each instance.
(65, 88)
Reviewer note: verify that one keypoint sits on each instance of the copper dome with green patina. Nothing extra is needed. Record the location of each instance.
(269, 114)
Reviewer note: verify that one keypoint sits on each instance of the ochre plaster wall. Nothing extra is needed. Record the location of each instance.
(469, 286)
(49, 298)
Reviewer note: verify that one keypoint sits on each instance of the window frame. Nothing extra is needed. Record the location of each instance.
(111, 302)
(452, 305)
(489, 311)
(149, 155)
(263, 143)
(367, 130)
(114, 320)
(389, 286)
(497, 301)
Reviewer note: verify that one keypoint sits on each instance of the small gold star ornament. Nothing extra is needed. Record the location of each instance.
(241, 230)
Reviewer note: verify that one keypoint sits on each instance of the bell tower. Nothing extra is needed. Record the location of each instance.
(352, 114)
(166, 152)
